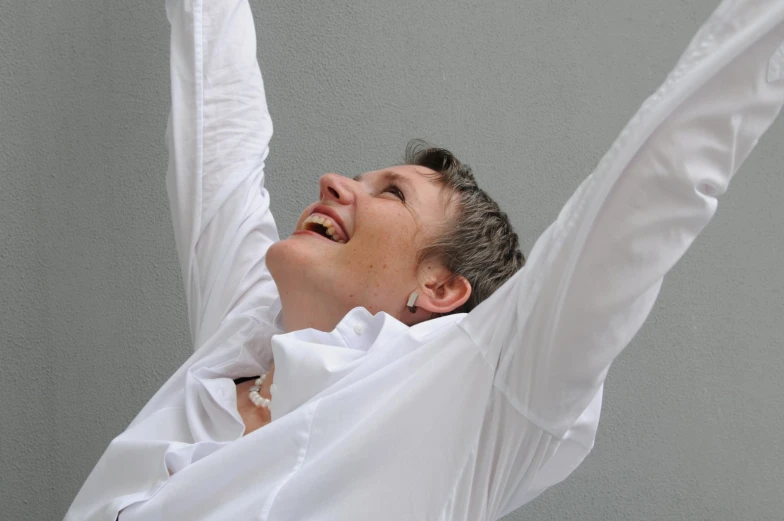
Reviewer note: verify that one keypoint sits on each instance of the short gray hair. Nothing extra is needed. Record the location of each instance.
(478, 242)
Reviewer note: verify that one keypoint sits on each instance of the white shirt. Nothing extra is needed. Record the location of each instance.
(466, 417)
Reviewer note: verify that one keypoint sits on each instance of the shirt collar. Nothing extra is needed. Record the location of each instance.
(308, 361)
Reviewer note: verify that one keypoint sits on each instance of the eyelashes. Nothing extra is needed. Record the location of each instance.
(394, 190)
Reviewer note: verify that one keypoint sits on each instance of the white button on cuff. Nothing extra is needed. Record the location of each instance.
(359, 328)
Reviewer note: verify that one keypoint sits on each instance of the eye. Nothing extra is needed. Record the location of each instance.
(397, 192)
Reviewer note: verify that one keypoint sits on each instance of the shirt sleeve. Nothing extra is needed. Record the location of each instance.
(217, 136)
(592, 278)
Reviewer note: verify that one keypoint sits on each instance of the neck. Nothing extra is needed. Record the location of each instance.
(301, 311)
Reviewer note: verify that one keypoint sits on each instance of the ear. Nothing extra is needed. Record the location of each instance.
(443, 292)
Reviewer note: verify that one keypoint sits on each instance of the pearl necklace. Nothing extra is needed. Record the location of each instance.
(254, 395)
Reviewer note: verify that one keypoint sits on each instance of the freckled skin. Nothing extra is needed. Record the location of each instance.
(320, 280)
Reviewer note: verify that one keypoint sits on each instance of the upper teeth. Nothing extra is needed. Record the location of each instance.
(327, 223)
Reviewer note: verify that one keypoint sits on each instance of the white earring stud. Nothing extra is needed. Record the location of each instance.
(411, 300)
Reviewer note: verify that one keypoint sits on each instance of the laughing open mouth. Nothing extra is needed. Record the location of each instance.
(323, 226)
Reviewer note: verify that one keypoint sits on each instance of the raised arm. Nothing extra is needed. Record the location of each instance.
(592, 278)
(218, 135)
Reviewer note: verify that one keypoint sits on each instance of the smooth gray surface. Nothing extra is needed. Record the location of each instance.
(530, 93)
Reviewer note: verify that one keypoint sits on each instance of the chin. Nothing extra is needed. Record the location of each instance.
(294, 261)
(282, 256)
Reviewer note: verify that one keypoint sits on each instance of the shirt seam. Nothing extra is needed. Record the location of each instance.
(297, 467)
(345, 340)
(482, 353)
(451, 495)
(527, 415)
(475, 446)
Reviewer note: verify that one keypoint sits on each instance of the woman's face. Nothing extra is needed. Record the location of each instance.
(358, 244)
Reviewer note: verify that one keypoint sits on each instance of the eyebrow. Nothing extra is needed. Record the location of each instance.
(390, 176)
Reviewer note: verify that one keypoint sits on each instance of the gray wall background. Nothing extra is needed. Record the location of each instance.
(529, 93)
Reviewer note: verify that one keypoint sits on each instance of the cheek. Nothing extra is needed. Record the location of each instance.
(391, 252)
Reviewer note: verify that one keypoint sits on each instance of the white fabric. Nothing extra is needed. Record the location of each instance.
(465, 417)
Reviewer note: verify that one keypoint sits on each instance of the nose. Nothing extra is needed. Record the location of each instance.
(335, 187)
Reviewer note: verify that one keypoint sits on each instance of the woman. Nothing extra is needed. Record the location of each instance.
(389, 360)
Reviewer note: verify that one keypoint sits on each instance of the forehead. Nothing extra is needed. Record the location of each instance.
(413, 174)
